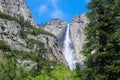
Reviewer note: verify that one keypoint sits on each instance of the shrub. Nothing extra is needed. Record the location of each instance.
(23, 34)
(6, 16)
(4, 46)
(36, 31)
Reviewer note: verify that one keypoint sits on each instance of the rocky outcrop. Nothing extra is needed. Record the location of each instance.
(55, 26)
(16, 8)
(77, 34)
(10, 33)
(58, 28)
(54, 51)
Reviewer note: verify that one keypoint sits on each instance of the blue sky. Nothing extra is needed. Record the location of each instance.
(44, 10)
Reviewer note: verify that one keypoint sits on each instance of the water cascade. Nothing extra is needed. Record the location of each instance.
(68, 50)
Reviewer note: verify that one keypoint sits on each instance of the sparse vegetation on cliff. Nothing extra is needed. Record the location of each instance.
(24, 23)
(4, 46)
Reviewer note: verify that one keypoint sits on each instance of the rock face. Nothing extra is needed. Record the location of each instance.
(77, 34)
(55, 26)
(16, 8)
(58, 28)
(54, 53)
(10, 31)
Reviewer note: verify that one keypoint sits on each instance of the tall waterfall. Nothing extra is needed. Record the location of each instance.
(68, 50)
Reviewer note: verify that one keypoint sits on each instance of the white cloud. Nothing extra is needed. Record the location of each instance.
(54, 4)
(57, 14)
(42, 9)
(51, 7)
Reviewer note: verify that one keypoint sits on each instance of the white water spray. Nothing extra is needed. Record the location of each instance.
(68, 51)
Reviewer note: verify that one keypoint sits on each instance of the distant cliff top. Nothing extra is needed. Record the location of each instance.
(16, 8)
(80, 20)
(55, 26)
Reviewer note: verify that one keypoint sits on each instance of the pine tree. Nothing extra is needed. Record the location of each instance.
(102, 45)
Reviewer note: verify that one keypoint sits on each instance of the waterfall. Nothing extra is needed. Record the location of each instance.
(68, 50)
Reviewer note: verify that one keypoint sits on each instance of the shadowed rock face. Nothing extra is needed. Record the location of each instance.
(58, 28)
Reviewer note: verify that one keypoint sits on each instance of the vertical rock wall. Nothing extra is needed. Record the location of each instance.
(16, 8)
(77, 34)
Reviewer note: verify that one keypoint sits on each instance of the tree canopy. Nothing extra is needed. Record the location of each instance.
(102, 45)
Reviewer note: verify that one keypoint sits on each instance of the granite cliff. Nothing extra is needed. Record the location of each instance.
(16, 8)
(77, 35)
(19, 31)
(58, 28)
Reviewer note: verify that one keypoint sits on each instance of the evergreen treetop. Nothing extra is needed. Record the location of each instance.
(102, 46)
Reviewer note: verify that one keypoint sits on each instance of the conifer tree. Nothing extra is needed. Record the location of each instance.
(102, 45)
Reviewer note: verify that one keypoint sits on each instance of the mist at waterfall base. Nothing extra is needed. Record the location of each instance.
(68, 50)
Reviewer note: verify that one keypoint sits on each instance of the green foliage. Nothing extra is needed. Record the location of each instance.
(102, 47)
(4, 46)
(37, 31)
(45, 69)
(78, 71)
(59, 72)
(6, 16)
(31, 43)
(9, 70)
(23, 55)
(23, 34)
